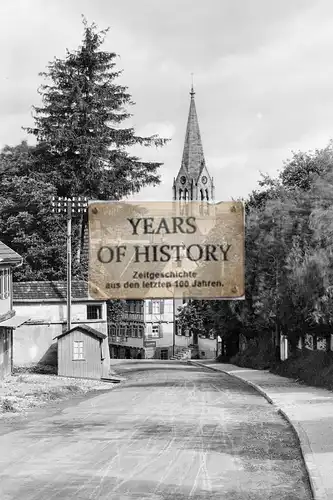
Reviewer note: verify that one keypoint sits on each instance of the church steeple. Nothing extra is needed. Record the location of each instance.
(193, 181)
(193, 156)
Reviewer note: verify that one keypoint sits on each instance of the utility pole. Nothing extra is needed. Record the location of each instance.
(70, 206)
(174, 325)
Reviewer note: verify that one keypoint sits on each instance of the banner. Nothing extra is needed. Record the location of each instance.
(160, 250)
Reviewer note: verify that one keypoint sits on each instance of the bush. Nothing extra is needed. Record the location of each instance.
(36, 368)
(222, 359)
(7, 405)
(311, 367)
(257, 356)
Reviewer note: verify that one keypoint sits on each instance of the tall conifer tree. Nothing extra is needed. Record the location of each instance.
(79, 129)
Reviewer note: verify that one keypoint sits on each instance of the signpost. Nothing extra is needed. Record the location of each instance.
(133, 247)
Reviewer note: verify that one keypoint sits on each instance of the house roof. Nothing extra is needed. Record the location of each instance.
(48, 290)
(86, 329)
(8, 256)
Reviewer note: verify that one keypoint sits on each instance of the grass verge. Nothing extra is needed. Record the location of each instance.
(26, 389)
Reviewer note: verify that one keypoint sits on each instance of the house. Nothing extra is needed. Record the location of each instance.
(147, 331)
(8, 318)
(81, 351)
(45, 303)
(207, 346)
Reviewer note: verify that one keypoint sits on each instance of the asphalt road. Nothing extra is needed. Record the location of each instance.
(170, 432)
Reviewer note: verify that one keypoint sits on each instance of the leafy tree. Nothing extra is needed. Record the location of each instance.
(304, 169)
(191, 316)
(115, 310)
(289, 255)
(82, 150)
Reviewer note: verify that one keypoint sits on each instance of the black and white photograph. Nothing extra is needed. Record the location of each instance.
(166, 250)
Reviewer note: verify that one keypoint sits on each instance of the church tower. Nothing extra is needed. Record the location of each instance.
(193, 182)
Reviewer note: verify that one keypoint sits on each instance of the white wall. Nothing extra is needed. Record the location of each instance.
(57, 312)
(34, 340)
(207, 346)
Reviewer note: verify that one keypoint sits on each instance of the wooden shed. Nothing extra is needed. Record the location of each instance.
(80, 352)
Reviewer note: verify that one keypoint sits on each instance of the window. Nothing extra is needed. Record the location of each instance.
(141, 331)
(112, 330)
(179, 329)
(135, 331)
(4, 283)
(94, 312)
(155, 307)
(78, 350)
(122, 331)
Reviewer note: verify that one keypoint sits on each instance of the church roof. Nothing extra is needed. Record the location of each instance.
(193, 157)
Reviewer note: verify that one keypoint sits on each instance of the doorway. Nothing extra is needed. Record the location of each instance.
(164, 354)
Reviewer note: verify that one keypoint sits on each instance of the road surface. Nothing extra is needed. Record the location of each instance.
(169, 432)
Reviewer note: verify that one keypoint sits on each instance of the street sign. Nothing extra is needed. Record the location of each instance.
(148, 343)
(160, 250)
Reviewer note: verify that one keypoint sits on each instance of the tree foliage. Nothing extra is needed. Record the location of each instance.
(83, 149)
(80, 121)
(289, 255)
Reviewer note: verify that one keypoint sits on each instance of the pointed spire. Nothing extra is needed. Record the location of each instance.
(192, 93)
(193, 156)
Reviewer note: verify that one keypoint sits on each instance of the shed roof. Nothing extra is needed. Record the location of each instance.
(49, 290)
(8, 256)
(86, 329)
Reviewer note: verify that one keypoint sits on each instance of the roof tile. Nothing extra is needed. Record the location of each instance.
(44, 290)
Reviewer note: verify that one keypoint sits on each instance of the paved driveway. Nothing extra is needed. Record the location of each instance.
(170, 432)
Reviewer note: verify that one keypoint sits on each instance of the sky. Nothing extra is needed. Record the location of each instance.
(263, 76)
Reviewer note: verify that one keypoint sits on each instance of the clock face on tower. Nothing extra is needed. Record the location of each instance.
(204, 179)
(183, 179)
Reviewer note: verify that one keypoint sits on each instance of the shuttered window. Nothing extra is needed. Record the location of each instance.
(155, 333)
(156, 306)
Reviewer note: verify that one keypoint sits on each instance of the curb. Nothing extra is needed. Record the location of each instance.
(317, 489)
